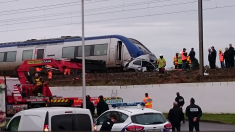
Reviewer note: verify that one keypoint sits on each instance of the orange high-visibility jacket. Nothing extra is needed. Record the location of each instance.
(176, 60)
(221, 57)
(148, 102)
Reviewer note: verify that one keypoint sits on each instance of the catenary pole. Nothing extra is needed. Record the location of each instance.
(83, 60)
(200, 21)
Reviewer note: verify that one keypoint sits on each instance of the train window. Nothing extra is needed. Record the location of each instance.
(11, 56)
(100, 49)
(27, 55)
(68, 52)
(2, 57)
(88, 50)
(138, 62)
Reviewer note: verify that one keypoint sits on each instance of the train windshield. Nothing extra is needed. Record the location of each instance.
(140, 46)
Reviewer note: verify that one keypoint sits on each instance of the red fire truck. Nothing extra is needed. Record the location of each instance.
(22, 97)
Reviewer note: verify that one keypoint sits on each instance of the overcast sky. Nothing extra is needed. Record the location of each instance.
(164, 26)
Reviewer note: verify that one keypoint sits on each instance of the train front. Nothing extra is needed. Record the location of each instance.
(146, 53)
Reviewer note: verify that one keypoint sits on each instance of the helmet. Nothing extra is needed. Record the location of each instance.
(161, 54)
(220, 50)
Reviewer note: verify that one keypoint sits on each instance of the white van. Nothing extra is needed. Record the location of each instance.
(51, 119)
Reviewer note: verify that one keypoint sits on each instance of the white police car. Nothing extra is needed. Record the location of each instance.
(134, 117)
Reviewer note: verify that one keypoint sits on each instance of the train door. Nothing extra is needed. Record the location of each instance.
(119, 53)
(39, 53)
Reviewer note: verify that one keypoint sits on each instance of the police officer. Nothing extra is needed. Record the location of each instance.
(180, 100)
(175, 117)
(194, 113)
(108, 124)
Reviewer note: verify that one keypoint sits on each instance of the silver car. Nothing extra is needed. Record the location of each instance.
(139, 65)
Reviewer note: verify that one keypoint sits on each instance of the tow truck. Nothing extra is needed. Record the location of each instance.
(22, 97)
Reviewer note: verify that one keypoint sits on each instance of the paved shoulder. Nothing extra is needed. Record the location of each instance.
(204, 126)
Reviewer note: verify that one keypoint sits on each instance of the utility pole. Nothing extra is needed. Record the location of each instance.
(200, 21)
(83, 60)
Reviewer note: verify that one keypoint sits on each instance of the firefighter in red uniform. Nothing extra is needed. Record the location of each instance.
(39, 85)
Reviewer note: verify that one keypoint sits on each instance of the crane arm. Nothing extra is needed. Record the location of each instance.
(59, 64)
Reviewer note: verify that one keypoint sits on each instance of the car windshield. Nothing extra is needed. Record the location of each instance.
(148, 119)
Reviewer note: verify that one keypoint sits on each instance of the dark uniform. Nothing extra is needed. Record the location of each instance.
(102, 106)
(175, 117)
(107, 125)
(193, 111)
(180, 100)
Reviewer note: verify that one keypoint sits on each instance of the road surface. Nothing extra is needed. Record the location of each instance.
(204, 126)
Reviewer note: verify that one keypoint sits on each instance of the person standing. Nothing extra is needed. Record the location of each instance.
(180, 100)
(192, 57)
(89, 105)
(108, 123)
(194, 113)
(231, 55)
(180, 61)
(221, 58)
(148, 101)
(209, 57)
(226, 58)
(161, 64)
(38, 89)
(184, 59)
(213, 57)
(175, 60)
(102, 106)
(174, 116)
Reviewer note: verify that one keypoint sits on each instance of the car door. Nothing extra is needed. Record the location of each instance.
(99, 121)
(136, 65)
(14, 124)
(121, 121)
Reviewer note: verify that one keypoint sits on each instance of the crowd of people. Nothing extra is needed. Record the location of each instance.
(226, 58)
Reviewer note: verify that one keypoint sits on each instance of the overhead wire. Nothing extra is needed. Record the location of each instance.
(16, 11)
(121, 18)
(97, 13)
(91, 10)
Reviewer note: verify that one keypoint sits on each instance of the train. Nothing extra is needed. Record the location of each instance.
(113, 49)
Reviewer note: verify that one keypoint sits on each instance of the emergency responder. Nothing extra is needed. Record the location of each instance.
(180, 61)
(194, 113)
(102, 106)
(48, 104)
(39, 85)
(221, 58)
(148, 101)
(49, 71)
(161, 64)
(89, 105)
(108, 123)
(175, 60)
(39, 71)
(175, 117)
(180, 100)
(67, 71)
(184, 59)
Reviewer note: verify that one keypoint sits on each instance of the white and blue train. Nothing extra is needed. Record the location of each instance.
(113, 49)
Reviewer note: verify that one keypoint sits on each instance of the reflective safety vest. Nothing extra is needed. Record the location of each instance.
(179, 59)
(175, 60)
(189, 60)
(49, 74)
(161, 63)
(67, 70)
(38, 69)
(148, 102)
(221, 57)
(38, 81)
(183, 56)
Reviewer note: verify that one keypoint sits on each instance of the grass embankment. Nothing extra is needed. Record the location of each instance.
(120, 79)
(220, 118)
